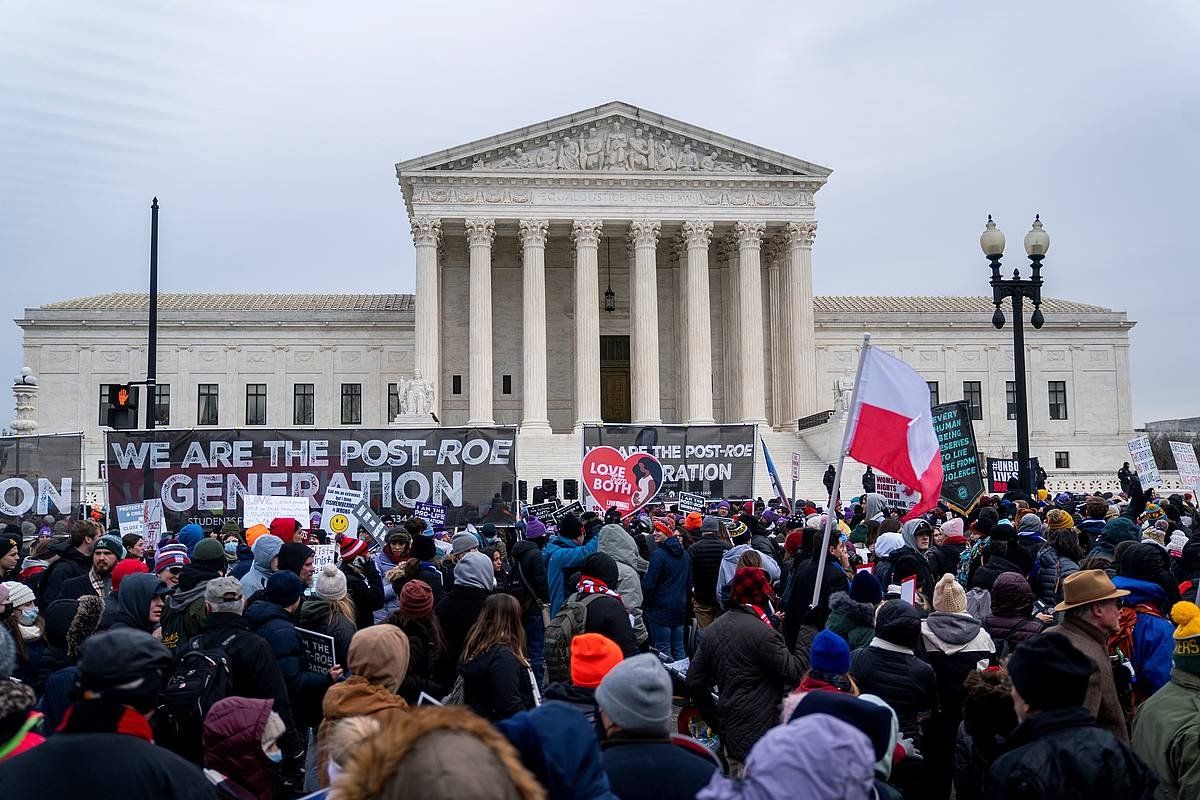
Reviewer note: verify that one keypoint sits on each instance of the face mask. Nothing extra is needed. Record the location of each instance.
(29, 615)
(276, 756)
(231, 548)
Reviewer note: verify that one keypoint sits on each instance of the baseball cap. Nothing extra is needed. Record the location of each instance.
(223, 590)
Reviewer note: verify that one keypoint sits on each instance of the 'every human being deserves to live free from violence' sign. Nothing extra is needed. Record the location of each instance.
(962, 478)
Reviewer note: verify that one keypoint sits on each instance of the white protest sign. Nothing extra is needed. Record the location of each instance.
(897, 494)
(1185, 462)
(796, 467)
(260, 509)
(908, 590)
(323, 554)
(689, 502)
(152, 520)
(1143, 462)
(129, 519)
(337, 512)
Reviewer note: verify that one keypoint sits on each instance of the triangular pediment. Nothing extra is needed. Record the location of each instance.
(614, 138)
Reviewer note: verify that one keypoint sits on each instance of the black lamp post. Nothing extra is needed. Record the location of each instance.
(1037, 242)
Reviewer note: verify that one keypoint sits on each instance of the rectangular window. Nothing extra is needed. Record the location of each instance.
(304, 404)
(973, 394)
(456, 384)
(934, 394)
(1058, 399)
(162, 404)
(352, 404)
(256, 404)
(1062, 459)
(506, 384)
(1010, 399)
(393, 410)
(206, 404)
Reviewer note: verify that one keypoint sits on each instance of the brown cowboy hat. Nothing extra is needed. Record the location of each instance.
(1087, 586)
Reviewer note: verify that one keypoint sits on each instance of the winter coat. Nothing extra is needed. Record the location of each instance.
(900, 564)
(852, 620)
(1052, 570)
(79, 586)
(496, 684)
(706, 555)
(355, 697)
(429, 670)
(384, 565)
(1166, 735)
(364, 584)
(1153, 636)
(996, 565)
(184, 610)
(314, 616)
(580, 698)
(233, 731)
(245, 560)
(1089, 532)
(104, 752)
(667, 583)
(799, 608)
(305, 689)
(944, 557)
(131, 607)
(562, 557)
(1011, 621)
(729, 567)
(615, 542)
(562, 744)
(456, 613)
(71, 564)
(1063, 753)
(1102, 701)
(750, 665)
(658, 768)
(895, 673)
(606, 615)
(528, 568)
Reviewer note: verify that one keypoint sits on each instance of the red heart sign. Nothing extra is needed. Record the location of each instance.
(623, 483)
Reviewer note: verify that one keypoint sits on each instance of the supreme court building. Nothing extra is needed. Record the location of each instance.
(611, 265)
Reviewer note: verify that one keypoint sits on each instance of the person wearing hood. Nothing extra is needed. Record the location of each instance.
(68, 624)
(138, 605)
(945, 556)
(266, 553)
(529, 585)
(707, 554)
(852, 613)
(666, 586)
(617, 543)
(241, 745)
(1011, 621)
(889, 667)
(743, 655)
(817, 757)
(1145, 637)
(184, 611)
(800, 611)
(1058, 557)
(955, 644)
(896, 558)
(474, 581)
(400, 757)
(558, 745)
(732, 560)
(564, 554)
(297, 558)
(378, 662)
(1149, 562)
(190, 535)
(870, 716)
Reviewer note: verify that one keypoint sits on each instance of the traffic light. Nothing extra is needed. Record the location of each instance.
(122, 406)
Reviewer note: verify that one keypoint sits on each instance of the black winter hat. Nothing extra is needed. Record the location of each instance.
(1049, 673)
(123, 666)
(423, 548)
(873, 720)
(569, 526)
(899, 623)
(293, 555)
(602, 566)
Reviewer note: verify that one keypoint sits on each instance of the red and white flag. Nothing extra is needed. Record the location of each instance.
(890, 426)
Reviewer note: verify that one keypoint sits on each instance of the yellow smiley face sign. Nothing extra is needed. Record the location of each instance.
(339, 523)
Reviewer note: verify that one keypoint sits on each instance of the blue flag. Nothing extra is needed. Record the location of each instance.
(774, 475)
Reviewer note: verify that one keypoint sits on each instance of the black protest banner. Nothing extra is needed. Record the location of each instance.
(709, 460)
(1002, 470)
(41, 475)
(575, 508)
(689, 502)
(543, 511)
(962, 478)
(201, 475)
(318, 650)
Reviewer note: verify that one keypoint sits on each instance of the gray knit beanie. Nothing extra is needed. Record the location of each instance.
(636, 695)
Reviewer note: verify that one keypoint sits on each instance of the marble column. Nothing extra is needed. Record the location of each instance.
(749, 236)
(480, 234)
(426, 231)
(777, 308)
(683, 385)
(697, 234)
(733, 355)
(533, 326)
(802, 334)
(587, 321)
(643, 313)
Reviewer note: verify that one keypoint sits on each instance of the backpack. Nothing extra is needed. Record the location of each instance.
(1120, 650)
(569, 622)
(201, 677)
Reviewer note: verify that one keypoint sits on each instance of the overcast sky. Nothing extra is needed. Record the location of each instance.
(269, 131)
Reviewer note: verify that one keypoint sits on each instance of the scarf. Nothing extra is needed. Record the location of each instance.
(590, 585)
(97, 716)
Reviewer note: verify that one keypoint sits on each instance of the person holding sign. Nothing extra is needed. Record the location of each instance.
(330, 611)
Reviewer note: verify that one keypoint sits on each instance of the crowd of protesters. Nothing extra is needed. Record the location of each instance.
(1041, 646)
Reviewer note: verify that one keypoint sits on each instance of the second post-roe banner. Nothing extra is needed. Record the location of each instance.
(711, 460)
(201, 475)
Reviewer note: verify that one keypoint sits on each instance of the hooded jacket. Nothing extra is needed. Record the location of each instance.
(184, 610)
(667, 583)
(1153, 636)
(132, 604)
(615, 542)
(1011, 621)
(232, 738)
(315, 615)
(70, 565)
(729, 566)
(852, 620)
(264, 551)
(305, 689)
(889, 668)
(563, 556)
(707, 554)
(1052, 570)
(558, 744)
(456, 613)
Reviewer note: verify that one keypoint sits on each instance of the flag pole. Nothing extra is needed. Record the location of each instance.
(851, 422)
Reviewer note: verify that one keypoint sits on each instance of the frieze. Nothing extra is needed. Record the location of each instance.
(614, 197)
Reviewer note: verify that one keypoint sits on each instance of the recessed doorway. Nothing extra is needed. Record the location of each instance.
(615, 397)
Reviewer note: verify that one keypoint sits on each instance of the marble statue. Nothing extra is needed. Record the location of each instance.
(843, 391)
(616, 148)
(665, 162)
(593, 150)
(547, 156)
(641, 155)
(687, 159)
(416, 396)
(568, 154)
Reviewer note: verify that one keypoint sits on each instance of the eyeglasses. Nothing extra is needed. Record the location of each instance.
(174, 570)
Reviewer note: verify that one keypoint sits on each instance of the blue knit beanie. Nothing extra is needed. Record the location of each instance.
(830, 654)
(866, 588)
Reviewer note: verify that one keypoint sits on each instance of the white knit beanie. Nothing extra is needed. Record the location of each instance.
(330, 583)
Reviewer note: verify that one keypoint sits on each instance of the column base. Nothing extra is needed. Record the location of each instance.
(647, 422)
(580, 423)
(754, 421)
(480, 423)
(702, 421)
(539, 427)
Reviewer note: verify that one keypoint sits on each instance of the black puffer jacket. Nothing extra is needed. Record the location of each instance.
(607, 616)
(944, 558)
(706, 564)
(496, 685)
(456, 613)
(751, 667)
(1064, 754)
(993, 568)
(528, 567)
(902, 563)
(905, 682)
(365, 587)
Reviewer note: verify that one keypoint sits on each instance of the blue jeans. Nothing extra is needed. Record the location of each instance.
(668, 639)
(535, 642)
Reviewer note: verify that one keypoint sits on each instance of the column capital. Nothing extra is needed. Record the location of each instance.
(533, 231)
(774, 248)
(697, 233)
(749, 233)
(643, 232)
(802, 233)
(586, 231)
(425, 230)
(676, 250)
(480, 230)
